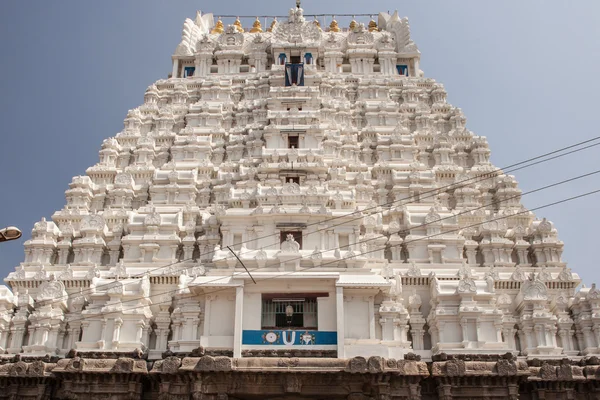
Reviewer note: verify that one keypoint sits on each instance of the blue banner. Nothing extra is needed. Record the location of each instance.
(289, 338)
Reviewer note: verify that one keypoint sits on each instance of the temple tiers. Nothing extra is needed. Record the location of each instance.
(299, 191)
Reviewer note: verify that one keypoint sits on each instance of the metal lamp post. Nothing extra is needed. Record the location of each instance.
(10, 233)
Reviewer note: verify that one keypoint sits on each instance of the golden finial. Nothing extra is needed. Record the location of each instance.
(238, 25)
(218, 27)
(316, 22)
(334, 27)
(272, 25)
(256, 27)
(353, 24)
(373, 25)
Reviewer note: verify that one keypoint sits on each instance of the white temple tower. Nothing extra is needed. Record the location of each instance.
(296, 189)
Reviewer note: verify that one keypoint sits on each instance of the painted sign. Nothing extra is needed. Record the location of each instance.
(289, 338)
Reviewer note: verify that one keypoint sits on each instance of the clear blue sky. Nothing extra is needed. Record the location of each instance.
(524, 72)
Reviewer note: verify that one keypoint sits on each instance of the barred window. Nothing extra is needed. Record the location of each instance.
(293, 142)
(288, 312)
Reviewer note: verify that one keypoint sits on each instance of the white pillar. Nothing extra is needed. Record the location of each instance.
(103, 333)
(175, 68)
(339, 308)
(371, 301)
(587, 337)
(539, 333)
(207, 312)
(237, 330)
(139, 331)
(463, 325)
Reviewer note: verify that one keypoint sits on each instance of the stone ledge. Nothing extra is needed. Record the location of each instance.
(121, 365)
(457, 368)
(356, 365)
(28, 369)
(563, 371)
(366, 378)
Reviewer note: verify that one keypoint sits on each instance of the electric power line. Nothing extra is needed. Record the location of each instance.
(337, 261)
(404, 231)
(433, 192)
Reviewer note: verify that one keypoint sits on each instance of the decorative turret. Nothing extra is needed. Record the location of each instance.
(273, 23)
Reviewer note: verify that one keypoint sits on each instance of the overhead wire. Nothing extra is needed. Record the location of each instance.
(433, 192)
(337, 261)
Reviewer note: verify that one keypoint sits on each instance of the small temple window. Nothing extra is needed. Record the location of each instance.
(308, 58)
(293, 179)
(293, 142)
(282, 59)
(296, 234)
(402, 69)
(287, 312)
(188, 71)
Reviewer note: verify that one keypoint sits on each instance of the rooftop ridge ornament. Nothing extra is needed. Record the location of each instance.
(316, 22)
(333, 26)
(353, 24)
(238, 25)
(256, 26)
(373, 25)
(218, 29)
(296, 16)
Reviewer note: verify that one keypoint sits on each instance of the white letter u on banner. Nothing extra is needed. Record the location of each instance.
(289, 337)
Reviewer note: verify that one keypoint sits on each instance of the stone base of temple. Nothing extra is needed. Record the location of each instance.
(225, 378)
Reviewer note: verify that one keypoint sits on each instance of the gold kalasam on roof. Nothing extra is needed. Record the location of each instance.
(316, 22)
(334, 27)
(353, 24)
(373, 26)
(218, 27)
(256, 27)
(238, 25)
(270, 29)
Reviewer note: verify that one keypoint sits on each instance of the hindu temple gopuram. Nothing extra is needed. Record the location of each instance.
(296, 213)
